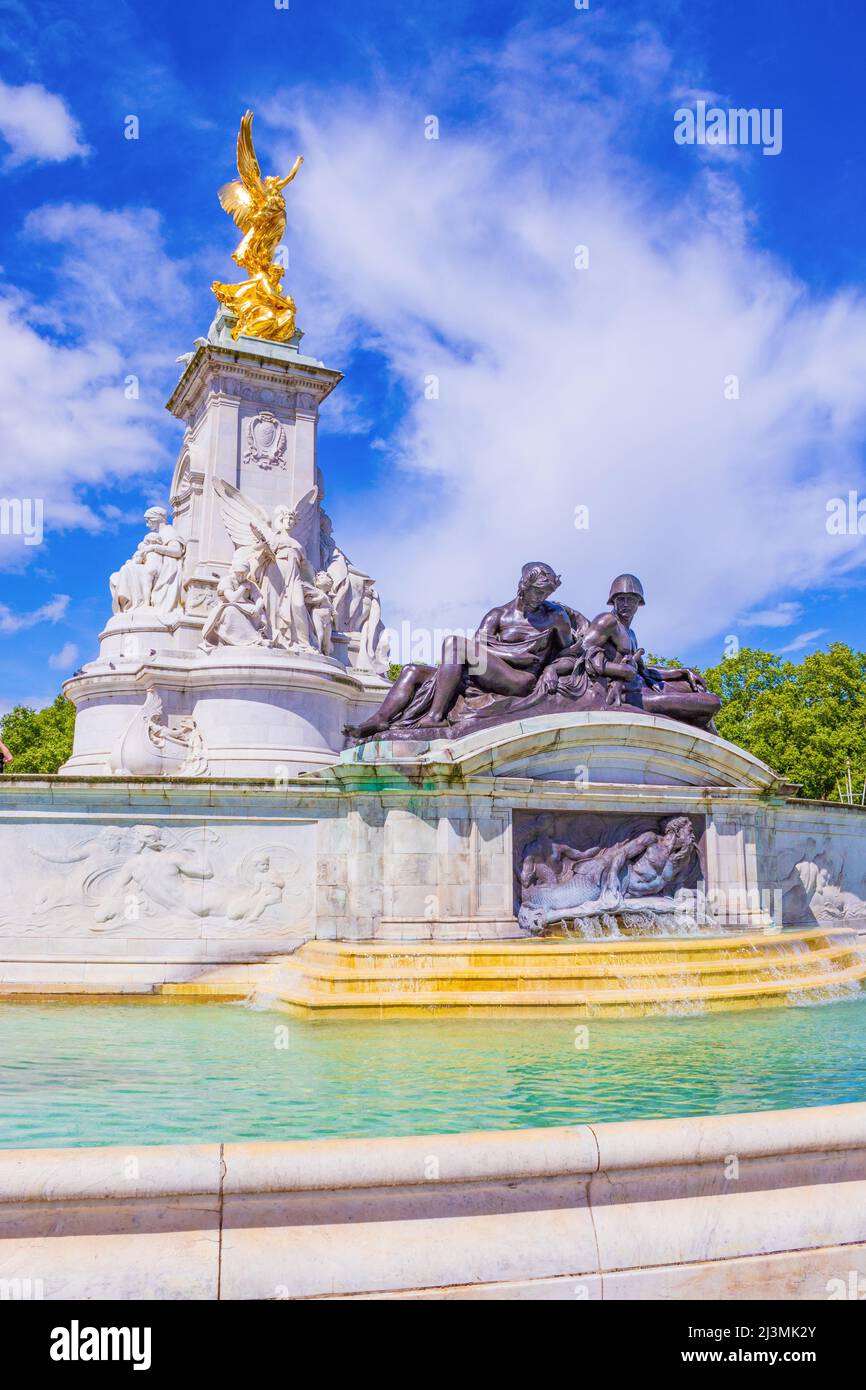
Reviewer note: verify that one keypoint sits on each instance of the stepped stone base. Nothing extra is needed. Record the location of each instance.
(579, 979)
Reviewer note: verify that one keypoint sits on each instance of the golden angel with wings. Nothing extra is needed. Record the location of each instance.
(258, 207)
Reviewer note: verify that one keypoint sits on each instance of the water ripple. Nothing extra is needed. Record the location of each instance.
(125, 1074)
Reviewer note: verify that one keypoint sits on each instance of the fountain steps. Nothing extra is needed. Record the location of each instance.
(576, 978)
(575, 975)
(543, 951)
(553, 957)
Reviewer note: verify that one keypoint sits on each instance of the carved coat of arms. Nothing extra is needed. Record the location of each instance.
(266, 441)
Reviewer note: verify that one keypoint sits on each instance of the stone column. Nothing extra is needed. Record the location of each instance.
(365, 893)
(251, 410)
(733, 883)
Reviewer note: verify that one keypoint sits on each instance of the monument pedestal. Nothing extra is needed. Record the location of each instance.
(265, 704)
(257, 712)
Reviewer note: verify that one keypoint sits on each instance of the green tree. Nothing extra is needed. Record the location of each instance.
(39, 740)
(807, 721)
(652, 660)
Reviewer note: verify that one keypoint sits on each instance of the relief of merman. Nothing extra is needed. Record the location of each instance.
(638, 872)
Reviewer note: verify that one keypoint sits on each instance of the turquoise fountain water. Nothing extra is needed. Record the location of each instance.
(149, 1074)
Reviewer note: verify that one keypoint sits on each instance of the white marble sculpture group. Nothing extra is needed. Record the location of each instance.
(270, 596)
(273, 597)
(152, 579)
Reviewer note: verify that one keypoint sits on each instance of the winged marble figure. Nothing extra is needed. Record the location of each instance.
(278, 561)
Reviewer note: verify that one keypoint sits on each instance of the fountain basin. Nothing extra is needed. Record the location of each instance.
(85, 1074)
(734, 1206)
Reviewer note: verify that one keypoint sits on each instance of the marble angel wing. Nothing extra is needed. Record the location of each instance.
(243, 197)
(247, 523)
(306, 526)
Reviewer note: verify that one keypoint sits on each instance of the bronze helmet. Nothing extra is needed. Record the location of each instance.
(626, 584)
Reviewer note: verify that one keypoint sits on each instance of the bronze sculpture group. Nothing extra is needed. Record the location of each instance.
(533, 656)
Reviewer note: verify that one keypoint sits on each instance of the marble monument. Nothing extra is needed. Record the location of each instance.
(241, 637)
(247, 786)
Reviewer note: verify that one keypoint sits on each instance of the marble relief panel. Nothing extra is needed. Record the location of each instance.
(158, 878)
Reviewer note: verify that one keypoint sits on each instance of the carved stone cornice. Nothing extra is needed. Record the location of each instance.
(287, 382)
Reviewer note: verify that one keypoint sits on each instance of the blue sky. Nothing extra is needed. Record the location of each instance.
(411, 257)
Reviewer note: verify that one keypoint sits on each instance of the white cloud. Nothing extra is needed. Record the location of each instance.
(50, 612)
(37, 125)
(559, 387)
(65, 658)
(805, 639)
(68, 378)
(113, 274)
(783, 614)
(67, 422)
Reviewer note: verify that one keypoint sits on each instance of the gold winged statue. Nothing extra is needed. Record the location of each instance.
(258, 207)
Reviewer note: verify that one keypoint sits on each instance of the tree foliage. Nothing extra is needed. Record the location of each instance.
(39, 740)
(806, 720)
